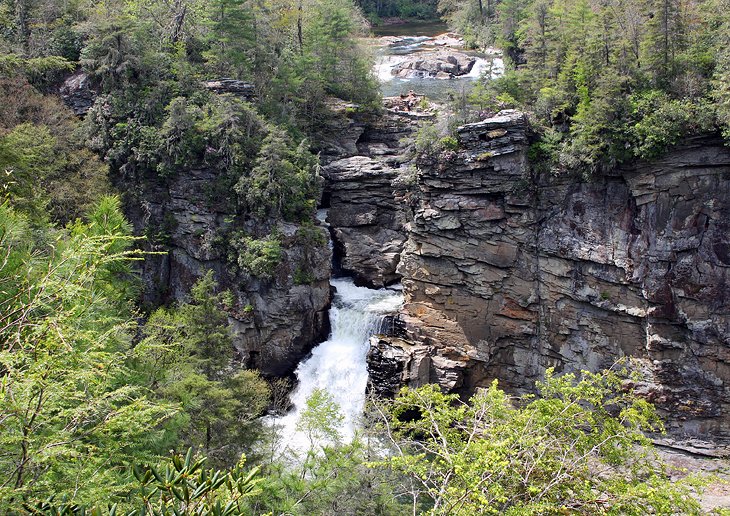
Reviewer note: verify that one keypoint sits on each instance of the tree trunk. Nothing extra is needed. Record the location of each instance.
(299, 28)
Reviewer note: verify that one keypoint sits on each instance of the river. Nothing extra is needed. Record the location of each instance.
(395, 43)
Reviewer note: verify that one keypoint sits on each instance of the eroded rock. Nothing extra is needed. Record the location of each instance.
(506, 274)
(366, 219)
(437, 65)
(78, 93)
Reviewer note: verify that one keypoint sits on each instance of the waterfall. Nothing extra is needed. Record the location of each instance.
(339, 364)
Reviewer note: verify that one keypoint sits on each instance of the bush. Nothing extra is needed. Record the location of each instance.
(661, 121)
(429, 141)
(260, 257)
(579, 447)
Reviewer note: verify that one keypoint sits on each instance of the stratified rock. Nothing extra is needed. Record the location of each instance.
(341, 131)
(506, 274)
(440, 65)
(366, 219)
(233, 86)
(77, 93)
(394, 362)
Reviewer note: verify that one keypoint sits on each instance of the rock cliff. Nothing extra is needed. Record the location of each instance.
(365, 189)
(276, 320)
(507, 273)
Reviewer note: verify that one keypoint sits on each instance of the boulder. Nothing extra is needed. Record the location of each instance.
(441, 64)
(448, 39)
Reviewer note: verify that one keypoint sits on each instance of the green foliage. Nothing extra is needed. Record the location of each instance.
(26, 156)
(186, 358)
(46, 173)
(303, 277)
(449, 143)
(661, 121)
(430, 142)
(618, 81)
(73, 417)
(258, 257)
(540, 455)
(427, 140)
(321, 419)
(38, 70)
(413, 9)
(180, 486)
(283, 183)
(185, 486)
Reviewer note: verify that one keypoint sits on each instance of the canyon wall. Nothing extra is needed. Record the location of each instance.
(366, 191)
(193, 229)
(506, 273)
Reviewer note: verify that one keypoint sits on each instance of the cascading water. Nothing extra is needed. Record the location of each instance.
(339, 364)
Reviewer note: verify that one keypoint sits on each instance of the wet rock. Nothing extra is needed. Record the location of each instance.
(442, 64)
(393, 363)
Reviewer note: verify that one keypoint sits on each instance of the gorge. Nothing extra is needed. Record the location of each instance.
(364, 257)
(506, 271)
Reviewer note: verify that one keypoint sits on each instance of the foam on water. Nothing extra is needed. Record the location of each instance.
(339, 364)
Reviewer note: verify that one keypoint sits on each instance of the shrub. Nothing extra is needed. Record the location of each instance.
(537, 455)
(260, 257)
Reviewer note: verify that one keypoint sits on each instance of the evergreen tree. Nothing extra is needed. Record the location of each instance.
(73, 420)
(187, 356)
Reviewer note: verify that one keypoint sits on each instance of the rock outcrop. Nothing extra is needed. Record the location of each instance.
(366, 190)
(235, 87)
(276, 320)
(366, 220)
(506, 274)
(78, 93)
(435, 65)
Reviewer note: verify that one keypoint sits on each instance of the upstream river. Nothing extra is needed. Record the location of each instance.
(397, 43)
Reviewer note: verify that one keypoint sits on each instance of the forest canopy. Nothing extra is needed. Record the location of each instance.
(608, 81)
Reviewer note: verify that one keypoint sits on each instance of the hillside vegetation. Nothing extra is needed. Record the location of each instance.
(608, 81)
(111, 407)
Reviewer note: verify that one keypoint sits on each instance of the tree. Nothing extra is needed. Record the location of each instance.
(71, 417)
(578, 447)
(232, 38)
(321, 419)
(187, 358)
(283, 181)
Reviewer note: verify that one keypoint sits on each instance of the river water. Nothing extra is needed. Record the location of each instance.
(339, 365)
(415, 38)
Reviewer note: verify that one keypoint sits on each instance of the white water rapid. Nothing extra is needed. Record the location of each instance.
(339, 364)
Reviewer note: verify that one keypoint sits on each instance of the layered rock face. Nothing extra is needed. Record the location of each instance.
(506, 274)
(276, 321)
(365, 190)
(366, 221)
